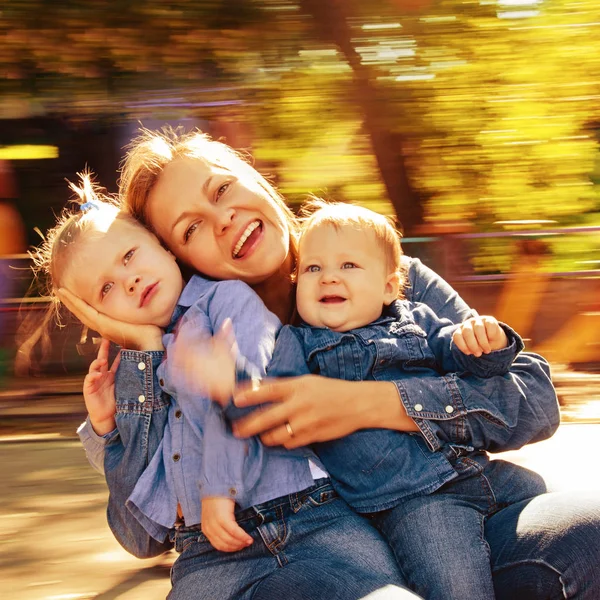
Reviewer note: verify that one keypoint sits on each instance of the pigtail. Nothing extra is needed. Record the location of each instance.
(48, 262)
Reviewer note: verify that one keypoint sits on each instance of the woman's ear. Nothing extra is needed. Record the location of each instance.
(392, 288)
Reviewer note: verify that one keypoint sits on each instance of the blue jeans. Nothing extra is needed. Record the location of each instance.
(497, 535)
(440, 539)
(307, 546)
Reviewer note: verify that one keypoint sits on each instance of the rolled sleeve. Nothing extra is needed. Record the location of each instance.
(94, 444)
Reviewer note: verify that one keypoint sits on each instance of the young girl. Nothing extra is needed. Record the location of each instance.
(288, 520)
(201, 198)
(429, 505)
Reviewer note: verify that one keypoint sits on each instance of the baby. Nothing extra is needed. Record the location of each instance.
(431, 506)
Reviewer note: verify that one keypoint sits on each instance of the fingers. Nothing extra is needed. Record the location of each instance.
(260, 392)
(104, 349)
(471, 337)
(81, 309)
(224, 533)
(116, 363)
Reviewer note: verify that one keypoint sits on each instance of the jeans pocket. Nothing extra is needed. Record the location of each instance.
(321, 497)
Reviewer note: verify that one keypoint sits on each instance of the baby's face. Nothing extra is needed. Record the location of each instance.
(343, 281)
(122, 271)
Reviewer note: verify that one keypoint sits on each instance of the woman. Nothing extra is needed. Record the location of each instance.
(211, 208)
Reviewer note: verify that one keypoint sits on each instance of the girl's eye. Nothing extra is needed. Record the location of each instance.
(348, 265)
(313, 268)
(189, 232)
(105, 289)
(128, 255)
(221, 190)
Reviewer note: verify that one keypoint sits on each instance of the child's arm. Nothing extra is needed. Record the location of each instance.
(479, 345)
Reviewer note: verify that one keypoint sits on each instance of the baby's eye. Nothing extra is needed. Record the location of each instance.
(128, 255)
(313, 269)
(349, 265)
(105, 289)
(189, 232)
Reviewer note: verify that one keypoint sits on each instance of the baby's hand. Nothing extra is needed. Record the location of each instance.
(220, 527)
(479, 335)
(99, 391)
(208, 363)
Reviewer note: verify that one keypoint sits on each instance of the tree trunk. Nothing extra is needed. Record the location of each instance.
(331, 22)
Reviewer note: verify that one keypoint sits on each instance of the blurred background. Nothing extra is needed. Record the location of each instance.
(476, 123)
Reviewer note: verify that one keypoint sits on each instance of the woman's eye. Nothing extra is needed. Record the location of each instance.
(189, 232)
(313, 268)
(348, 265)
(128, 255)
(105, 289)
(221, 190)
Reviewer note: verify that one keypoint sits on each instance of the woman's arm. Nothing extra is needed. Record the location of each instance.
(141, 417)
(520, 407)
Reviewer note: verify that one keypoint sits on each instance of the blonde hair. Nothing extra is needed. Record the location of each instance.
(316, 212)
(152, 151)
(90, 207)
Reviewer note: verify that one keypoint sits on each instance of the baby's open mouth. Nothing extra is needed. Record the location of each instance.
(247, 239)
(332, 299)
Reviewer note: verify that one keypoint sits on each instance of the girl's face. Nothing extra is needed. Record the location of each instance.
(224, 226)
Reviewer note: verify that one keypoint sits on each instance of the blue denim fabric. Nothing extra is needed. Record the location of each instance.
(439, 540)
(373, 469)
(307, 546)
(198, 455)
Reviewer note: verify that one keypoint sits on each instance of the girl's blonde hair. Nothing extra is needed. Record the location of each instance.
(90, 207)
(317, 212)
(152, 151)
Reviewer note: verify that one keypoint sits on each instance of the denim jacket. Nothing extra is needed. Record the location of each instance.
(198, 455)
(374, 469)
(489, 421)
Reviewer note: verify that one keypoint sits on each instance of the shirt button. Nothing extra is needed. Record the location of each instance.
(141, 398)
(382, 362)
(449, 409)
(178, 414)
(176, 457)
(232, 492)
(161, 382)
(418, 407)
(141, 366)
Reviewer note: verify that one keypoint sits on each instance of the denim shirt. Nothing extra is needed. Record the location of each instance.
(374, 469)
(522, 408)
(198, 455)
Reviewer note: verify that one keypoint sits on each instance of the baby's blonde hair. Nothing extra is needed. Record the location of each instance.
(90, 206)
(152, 151)
(316, 212)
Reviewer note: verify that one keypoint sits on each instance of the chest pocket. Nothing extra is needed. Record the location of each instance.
(346, 359)
(408, 344)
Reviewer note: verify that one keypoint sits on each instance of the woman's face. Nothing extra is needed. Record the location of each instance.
(224, 226)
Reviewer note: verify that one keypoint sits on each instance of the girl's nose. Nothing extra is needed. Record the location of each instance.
(223, 219)
(132, 283)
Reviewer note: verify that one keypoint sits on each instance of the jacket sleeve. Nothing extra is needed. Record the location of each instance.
(503, 412)
(451, 359)
(141, 416)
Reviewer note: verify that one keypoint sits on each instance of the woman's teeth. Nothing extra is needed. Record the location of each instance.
(244, 237)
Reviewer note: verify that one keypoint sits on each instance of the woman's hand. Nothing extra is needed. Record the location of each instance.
(99, 391)
(311, 408)
(126, 335)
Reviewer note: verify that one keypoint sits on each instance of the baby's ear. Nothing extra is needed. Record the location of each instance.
(392, 288)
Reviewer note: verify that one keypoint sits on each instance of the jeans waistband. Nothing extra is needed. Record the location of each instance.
(251, 518)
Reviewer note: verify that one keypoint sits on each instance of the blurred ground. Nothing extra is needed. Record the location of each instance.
(55, 543)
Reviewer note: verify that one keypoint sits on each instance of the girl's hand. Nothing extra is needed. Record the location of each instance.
(220, 527)
(311, 408)
(99, 391)
(126, 335)
(479, 335)
(207, 363)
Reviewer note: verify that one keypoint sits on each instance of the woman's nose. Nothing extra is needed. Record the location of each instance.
(223, 220)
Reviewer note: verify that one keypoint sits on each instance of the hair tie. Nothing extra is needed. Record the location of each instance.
(88, 205)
